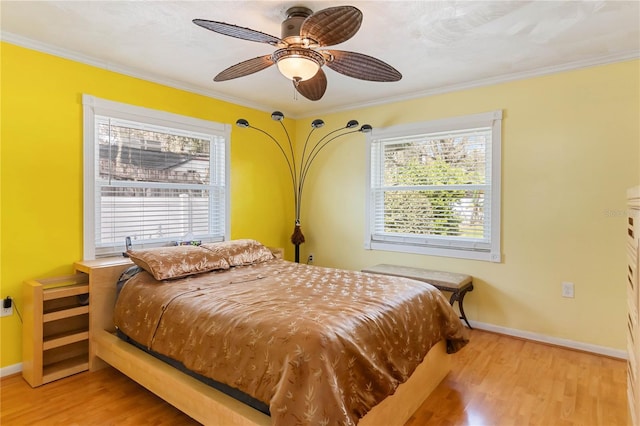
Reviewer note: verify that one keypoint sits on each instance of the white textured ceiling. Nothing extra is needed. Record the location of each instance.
(436, 45)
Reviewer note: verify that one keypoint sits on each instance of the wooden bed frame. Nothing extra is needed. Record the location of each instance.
(204, 403)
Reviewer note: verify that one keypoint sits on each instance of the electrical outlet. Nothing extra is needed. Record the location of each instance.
(4, 310)
(310, 259)
(567, 289)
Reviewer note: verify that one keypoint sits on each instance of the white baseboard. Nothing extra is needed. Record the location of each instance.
(10, 369)
(571, 344)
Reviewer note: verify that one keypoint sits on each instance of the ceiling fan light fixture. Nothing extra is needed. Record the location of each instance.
(298, 64)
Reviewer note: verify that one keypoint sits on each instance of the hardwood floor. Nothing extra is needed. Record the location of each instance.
(500, 380)
(496, 380)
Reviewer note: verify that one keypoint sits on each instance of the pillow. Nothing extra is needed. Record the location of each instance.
(240, 252)
(175, 262)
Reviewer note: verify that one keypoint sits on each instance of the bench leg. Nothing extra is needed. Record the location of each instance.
(460, 298)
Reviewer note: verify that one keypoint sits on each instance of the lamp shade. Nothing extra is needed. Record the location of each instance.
(298, 68)
(298, 64)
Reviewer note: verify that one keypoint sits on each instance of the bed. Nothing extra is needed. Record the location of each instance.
(314, 345)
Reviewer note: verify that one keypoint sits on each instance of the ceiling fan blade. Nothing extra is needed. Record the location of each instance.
(314, 88)
(332, 25)
(245, 68)
(363, 67)
(237, 32)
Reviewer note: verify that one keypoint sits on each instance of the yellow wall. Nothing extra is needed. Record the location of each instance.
(41, 169)
(570, 150)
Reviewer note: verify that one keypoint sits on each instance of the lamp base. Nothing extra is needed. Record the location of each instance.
(297, 238)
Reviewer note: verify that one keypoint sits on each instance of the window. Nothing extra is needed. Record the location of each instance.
(153, 176)
(434, 187)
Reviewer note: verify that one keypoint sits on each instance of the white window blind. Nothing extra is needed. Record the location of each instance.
(432, 188)
(157, 184)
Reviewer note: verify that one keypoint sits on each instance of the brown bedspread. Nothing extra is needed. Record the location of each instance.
(320, 346)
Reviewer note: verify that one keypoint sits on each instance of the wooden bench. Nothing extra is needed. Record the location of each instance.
(457, 284)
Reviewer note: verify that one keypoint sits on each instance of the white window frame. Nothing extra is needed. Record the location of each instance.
(439, 246)
(93, 106)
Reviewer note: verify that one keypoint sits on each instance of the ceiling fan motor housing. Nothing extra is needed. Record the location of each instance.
(290, 28)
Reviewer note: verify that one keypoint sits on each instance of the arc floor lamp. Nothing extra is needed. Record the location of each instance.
(298, 169)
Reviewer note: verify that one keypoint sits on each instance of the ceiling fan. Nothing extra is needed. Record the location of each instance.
(298, 57)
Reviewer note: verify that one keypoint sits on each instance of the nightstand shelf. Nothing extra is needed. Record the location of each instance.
(61, 313)
(63, 339)
(65, 368)
(56, 328)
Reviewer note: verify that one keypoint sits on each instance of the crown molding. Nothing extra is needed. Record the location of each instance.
(128, 71)
(89, 60)
(505, 78)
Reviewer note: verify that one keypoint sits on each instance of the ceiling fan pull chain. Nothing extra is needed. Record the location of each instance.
(296, 82)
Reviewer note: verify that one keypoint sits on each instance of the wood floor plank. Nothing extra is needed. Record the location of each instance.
(496, 380)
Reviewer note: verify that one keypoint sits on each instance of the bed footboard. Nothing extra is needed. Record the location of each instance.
(212, 407)
(204, 403)
(396, 409)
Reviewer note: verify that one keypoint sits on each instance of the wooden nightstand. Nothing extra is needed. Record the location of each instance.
(55, 335)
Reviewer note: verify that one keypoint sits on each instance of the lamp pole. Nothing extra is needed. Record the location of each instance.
(299, 174)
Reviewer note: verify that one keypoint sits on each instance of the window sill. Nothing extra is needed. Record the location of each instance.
(488, 256)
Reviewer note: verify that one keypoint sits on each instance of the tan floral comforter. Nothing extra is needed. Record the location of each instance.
(320, 346)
